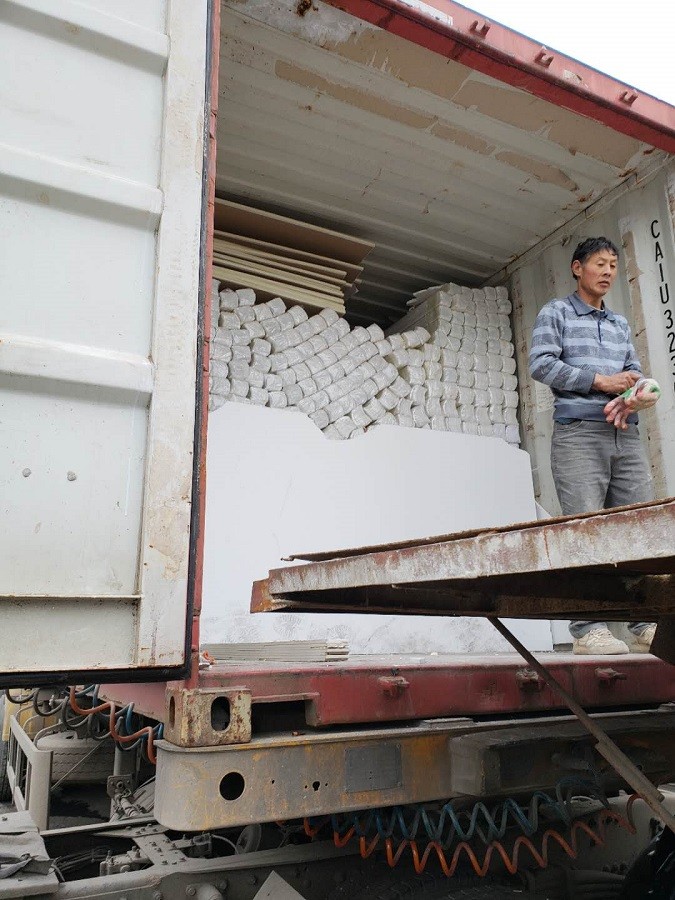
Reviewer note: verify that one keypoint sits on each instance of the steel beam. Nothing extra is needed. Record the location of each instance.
(291, 776)
(386, 688)
(603, 598)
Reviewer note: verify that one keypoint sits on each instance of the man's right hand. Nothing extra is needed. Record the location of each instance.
(615, 384)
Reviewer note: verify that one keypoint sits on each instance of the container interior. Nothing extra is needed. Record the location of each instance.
(453, 176)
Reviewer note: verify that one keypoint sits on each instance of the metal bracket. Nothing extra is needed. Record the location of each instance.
(119, 786)
(608, 675)
(528, 680)
(480, 28)
(544, 58)
(208, 717)
(393, 685)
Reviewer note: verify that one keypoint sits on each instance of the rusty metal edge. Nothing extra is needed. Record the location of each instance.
(473, 532)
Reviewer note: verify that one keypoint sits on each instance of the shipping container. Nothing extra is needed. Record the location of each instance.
(462, 151)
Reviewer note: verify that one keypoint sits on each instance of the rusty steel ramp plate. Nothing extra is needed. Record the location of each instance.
(613, 565)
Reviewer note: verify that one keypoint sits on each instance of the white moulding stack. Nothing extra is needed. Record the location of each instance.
(447, 365)
(471, 341)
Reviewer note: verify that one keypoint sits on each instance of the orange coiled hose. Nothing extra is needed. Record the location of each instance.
(112, 726)
(510, 860)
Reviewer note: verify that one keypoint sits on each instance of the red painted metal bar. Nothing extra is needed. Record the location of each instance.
(200, 499)
(458, 33)
(402, 687)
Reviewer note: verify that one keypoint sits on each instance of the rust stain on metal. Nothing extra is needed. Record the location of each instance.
(262, 600)
(361, 99)
(573, 567)
(460, 535)
(292, 776)
(211, 717)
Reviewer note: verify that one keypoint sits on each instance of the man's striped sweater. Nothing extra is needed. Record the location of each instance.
(571, 343)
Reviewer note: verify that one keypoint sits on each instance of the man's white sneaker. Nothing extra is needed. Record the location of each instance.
(642, 643)
(599, 642)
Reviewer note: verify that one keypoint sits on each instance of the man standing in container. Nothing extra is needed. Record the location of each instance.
(583, 351)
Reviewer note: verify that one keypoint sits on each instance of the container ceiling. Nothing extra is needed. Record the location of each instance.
(451, 173)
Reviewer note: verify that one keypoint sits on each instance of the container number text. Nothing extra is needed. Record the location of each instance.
(664, 294)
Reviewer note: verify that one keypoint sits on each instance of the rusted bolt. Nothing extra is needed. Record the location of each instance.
(529, 680)
(393, 685)
(610, 675)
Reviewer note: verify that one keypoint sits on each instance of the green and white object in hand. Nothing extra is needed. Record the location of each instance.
(643, 394)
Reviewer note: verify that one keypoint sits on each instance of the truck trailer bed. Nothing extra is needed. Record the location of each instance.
(391, 688)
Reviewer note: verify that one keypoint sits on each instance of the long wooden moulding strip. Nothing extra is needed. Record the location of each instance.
(239, 219)
(352, 271)
(230, 248)
(269, 289)
(301, 281)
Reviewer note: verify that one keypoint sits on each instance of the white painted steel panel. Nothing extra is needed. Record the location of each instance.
(101, 148)
(277, 486)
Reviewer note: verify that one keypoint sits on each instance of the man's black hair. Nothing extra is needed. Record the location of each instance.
(593, 245)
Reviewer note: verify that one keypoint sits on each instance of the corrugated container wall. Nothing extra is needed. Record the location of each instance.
(101, 150)
(641, 220)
